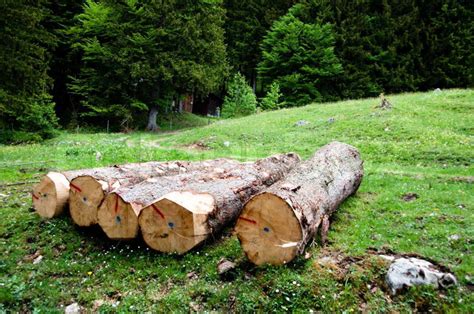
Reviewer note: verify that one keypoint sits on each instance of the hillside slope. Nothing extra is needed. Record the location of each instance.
(424, 145)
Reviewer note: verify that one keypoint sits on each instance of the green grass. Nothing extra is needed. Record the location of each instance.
(424, 145)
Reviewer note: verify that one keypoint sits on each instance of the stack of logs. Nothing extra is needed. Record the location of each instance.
(278, 203)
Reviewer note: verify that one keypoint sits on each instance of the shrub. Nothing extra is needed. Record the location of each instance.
(271, 101)
(240, 99)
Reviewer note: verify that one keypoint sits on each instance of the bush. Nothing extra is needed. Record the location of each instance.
(240, 99)
(271, 101)
(39, 117)
(31, 119)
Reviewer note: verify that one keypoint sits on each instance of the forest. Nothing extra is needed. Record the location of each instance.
(122, 64)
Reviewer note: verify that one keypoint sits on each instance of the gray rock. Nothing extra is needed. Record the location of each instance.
(73, 308)
(301, 123)
(454, 237)
(437, 91)
(38, 259)
(407, 272)
(224, 266)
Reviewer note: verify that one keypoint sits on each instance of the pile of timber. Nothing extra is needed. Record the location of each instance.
(278, 202)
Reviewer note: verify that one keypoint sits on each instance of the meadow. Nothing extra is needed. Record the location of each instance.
(417, 196)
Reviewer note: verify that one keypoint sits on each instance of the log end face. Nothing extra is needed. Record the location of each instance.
(85, 196)
(168, 226)
(117, 218)
(51, 195)
(268, 230)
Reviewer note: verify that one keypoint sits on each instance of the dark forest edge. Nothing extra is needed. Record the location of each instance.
(109, 64)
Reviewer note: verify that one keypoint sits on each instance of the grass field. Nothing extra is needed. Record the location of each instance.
(424, 145)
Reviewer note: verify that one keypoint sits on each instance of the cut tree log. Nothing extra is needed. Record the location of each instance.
(184, 218)
(89, 188)
(276, 225)
(118, 214)
(50, 196)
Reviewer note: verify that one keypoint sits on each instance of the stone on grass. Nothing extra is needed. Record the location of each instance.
(73, 308)
(38, 259)
(224, 266)
(301, 123)
(407, 272)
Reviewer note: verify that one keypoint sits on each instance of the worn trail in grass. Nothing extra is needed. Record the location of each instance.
(424, 145)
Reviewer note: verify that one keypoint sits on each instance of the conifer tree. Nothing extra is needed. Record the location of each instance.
(140, 56)
(300, 57)
(240, 99)
(25, 102)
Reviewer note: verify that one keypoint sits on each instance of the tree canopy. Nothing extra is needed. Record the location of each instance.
(93, 61)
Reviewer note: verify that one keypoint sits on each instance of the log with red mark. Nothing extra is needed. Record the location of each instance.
(293, 209)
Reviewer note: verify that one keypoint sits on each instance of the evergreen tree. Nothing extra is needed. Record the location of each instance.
(240, 100)
(300, 57)
(64, 61)
(246, 24)
(448, 41)
(25, 102)
(271, 101)
(140, 56)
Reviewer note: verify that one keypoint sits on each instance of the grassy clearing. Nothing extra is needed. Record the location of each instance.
(424, 145)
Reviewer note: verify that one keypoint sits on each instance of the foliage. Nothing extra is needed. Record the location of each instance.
(246, 23)
(386, 47)
(408, 149)
(65, 62)
(24, 101)
(300, 57)
(138, 56)
(271, 101)
(240, 99)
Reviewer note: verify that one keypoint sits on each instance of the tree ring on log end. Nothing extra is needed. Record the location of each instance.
(85, 196)
(51, 195)
(268, 230)
(177, 222)
(117, 218)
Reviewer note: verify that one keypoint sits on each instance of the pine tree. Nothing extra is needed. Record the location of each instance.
(300, 57)
(141, 56)
(271, 101)
(247, 22)
(240, 99)
(448, 41)
(25, 102)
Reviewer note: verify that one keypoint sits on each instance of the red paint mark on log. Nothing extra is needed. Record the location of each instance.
(248, 220)
(75, 187)
(158, 211)
(34, 196)
(116, 204)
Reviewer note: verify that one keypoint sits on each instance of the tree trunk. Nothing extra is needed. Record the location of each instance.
(278, 223)
(152, 126)
(53, 192)
(188, 215)
(88, 188)
(118, 214)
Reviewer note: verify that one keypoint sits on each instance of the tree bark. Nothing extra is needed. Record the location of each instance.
(118, 214)
(89, 187)
(186, 216)
(52, 194)
(277, 224)
(152, 126)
